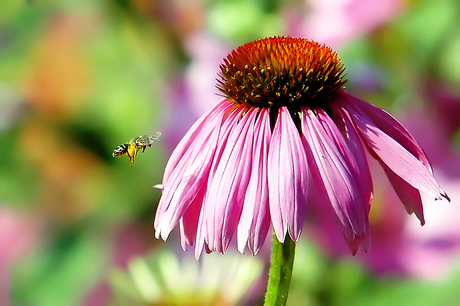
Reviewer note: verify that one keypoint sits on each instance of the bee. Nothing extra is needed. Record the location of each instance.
(132, 147)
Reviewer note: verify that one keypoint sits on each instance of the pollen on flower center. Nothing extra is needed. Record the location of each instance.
(281, 71)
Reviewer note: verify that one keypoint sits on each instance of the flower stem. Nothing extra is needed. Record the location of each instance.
(280, 274)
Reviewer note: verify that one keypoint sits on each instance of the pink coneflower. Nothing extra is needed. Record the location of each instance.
(286, 133)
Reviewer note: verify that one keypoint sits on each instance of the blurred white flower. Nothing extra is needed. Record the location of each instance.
(164, 278)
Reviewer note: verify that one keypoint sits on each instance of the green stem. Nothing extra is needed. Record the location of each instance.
(279, 278)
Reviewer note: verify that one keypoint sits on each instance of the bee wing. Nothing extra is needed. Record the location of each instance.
(153, 137)
(147, 139)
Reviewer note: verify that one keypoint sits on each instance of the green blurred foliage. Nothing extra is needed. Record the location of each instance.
(249, 20)
(78, 78)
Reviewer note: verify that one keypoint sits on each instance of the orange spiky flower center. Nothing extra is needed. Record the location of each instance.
(277, 71)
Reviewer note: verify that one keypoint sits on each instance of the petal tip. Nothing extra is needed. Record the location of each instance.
(445, 196)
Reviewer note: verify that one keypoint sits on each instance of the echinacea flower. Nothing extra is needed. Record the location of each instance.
(286, 133)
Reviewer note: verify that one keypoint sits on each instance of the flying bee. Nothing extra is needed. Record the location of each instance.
(132, 147)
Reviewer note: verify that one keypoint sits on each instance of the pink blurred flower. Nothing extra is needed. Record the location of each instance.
(436, 249)
(337, 22)
(194, 93)
(285, 134)
(19, 235)
(207, 52)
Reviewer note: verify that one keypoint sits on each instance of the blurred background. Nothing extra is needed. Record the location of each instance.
(78, 78)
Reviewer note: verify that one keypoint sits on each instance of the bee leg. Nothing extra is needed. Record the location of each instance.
(145, 147)
(133, 157)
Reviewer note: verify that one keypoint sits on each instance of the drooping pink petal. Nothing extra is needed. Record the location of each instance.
(352, 151)
(358, 150)
(287, 177)
(334, 179)
(408, 195)
(255, 217)
(355, 244)
(229, 179)
(189, 174)
(206, 225)
(188, 224)
(201, 233)
(388, 124)
(396, 157)
(206, 234)
(204, 123)
(184, 187)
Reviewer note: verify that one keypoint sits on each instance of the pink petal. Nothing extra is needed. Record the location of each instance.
(353, 150)
(206, 234)
(188, 224)
(206, 228)
(255, 217)
(183, 183)
(229, 179)
(354, 244)
(183, 186)
(201, 233)
(387, 123)
(204, 123)
(396, 157)
(333, 178)
(287, 178)
(408, 195)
